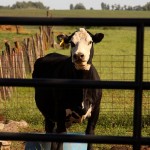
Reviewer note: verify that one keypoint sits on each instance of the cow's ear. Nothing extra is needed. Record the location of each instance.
(67, 39)
(63, 39)
(97, 37)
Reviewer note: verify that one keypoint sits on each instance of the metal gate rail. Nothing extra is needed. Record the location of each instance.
(138, 85)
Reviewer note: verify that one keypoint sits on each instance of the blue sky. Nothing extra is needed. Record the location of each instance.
(65, 4)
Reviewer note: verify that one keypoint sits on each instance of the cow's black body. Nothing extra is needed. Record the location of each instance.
(53, 102)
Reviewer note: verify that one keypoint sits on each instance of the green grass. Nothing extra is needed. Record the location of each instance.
(115, 60)
(75, 13)
(21, 104)
(12, 37)
(115, 116)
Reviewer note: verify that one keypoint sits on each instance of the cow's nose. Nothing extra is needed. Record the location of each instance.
(78, 56)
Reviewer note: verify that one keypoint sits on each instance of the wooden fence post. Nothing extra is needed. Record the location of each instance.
(15, 61)
(28, 45)
(35, 48)
(20, 60)
(6, 73)
(41, 41)
(2, 88)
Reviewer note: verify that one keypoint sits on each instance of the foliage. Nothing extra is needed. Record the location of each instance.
(4, 7)
(29, 4)
(71, 6)
(77, 6)
(105, 6)
(146, 6)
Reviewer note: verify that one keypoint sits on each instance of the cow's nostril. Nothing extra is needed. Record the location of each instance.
(81, 56)
(78, 56)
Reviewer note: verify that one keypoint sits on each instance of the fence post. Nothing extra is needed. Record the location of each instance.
(39, 46)
(40, 40)
(35, 48)
(6, 74)
(2, 88)
(29, 54)
(20, 60)
(138, 91)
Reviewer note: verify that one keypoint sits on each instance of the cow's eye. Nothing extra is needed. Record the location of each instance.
(90, 42)
(72, 44)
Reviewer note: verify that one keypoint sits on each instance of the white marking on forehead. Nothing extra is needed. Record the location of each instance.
(80, 35)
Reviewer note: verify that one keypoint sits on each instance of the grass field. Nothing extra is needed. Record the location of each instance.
(75, 13)
(114, 59)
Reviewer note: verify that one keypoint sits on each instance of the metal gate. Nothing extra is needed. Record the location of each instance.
(138, 85)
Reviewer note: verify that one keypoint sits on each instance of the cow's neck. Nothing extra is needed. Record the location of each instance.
(83, 74)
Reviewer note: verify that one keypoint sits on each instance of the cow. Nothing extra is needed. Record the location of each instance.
(61, 107)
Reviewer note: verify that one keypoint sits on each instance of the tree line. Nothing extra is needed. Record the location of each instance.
(103, 6)
(24, 5)
(38, 5)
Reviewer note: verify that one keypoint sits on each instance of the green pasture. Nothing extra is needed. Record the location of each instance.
(75, 13)
(115, 61)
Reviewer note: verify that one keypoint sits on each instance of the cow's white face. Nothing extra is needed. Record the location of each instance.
(82, 47)
(81, 44)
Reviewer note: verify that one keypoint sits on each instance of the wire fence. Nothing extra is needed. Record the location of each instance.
(110, 68)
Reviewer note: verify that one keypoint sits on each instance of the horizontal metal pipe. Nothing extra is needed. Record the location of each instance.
(74, 21)
(72, 83)
(72, 138)
(67, 83)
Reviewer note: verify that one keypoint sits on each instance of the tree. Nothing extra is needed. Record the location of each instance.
(130, 7)
(29, 4)
(112, 7)
(147, 6)
(71, 6)
(79, 6)
(117, 7)
(105, 6)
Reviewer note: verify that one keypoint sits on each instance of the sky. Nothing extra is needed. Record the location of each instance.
(65, 4)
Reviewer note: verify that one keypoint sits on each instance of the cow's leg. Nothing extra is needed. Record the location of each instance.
(61, 128)
(92, 123)
(50, 128)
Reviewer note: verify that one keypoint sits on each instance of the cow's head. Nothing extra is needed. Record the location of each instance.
(82, 47)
